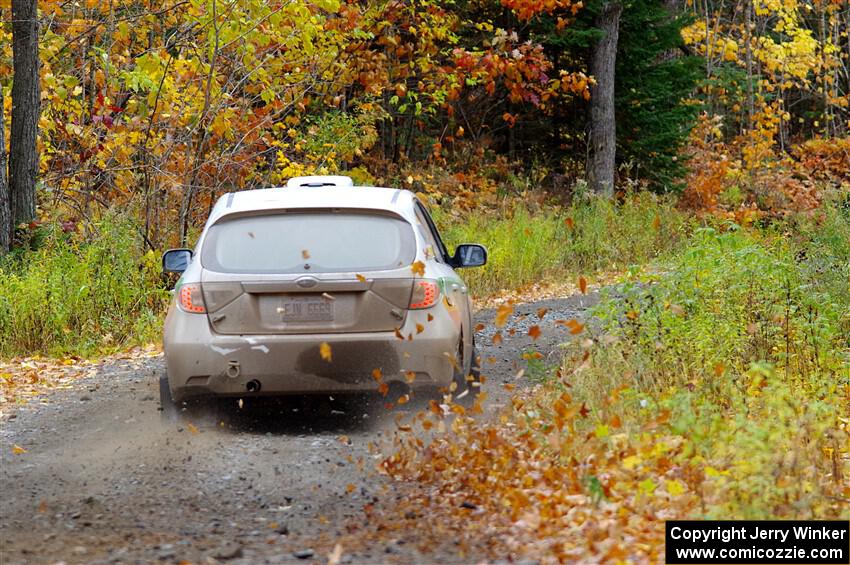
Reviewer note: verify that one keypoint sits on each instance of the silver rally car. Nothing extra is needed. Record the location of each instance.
(318, 287)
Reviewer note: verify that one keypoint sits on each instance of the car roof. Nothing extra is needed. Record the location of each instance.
(357, 197)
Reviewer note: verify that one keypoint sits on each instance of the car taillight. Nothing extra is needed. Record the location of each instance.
(191, 299)
(425, 294)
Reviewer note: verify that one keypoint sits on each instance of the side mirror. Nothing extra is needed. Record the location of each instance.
(469, 255)
(176, 260)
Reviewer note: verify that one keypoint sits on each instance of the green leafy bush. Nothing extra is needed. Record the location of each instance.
(739, 353)
(75, 295)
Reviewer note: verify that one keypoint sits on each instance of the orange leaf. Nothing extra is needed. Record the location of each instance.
(534, 332)
(582, 285)
(18, 450)
(384, 388)
(420, 328)
(656, 223)
(502, 313)
(325, 351)
(632, 315)
(430, 317)
(418, 268)
(497, 338)
(479, 327)
(571, 225)
(542, 312)
(377, 375)
(305, 254)
(410, 376)
(398, 334)
(360, 277)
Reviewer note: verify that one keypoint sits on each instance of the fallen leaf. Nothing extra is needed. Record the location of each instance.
(325, 351)
(541, 312)
(479, 327)
(191, 427)
(497, 338)
(335, 556)
(571, 225)
(18, 450)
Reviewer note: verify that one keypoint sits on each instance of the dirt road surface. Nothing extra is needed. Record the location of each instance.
(104, 480)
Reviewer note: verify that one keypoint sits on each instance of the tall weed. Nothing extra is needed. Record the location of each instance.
(75, 296)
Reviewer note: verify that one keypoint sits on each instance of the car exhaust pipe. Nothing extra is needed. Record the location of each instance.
(253, 386)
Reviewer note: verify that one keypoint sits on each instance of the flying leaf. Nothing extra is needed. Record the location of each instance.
(384, 389)
(377, 375)
(582, 285)
(534, 332)
(418, 268)
(191, 427)
(18, 450)
(420, 328)
(325, 351)
(398, 334)
(656, 223)
(502, 313)
(541, 312)
(360, 277)
(479, 327)
(410, 376)
(430, 317)
(305, 254)
(497, 338)
(571, 225)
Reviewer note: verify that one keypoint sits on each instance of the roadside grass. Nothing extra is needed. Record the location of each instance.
(717, 389)
(528, 246)
(75, 296)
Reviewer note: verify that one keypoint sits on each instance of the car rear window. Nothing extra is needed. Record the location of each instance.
(309, 242)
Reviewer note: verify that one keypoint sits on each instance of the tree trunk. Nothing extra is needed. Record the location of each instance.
(5, 208)
(23, 149)
(603, 127)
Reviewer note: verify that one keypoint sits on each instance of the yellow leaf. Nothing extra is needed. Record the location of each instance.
(418, 268)
(631, 462)
(675, 488)
(191, 427)
(360, 277)
(325, 351)
(18, 450)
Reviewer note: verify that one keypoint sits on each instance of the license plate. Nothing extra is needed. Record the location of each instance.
(306, 309)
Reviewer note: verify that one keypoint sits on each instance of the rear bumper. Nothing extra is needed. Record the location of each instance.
(202, 363)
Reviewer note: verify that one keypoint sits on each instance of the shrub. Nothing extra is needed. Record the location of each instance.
(77, 295)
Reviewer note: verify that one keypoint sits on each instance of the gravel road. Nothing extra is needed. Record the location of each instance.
(105, 481)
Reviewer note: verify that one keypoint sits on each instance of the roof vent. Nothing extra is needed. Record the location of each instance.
(319, 181)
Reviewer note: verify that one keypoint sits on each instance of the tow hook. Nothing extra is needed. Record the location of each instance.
(233, 369)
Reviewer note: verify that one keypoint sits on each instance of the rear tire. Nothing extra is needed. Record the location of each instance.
(167, 406)
(473, 385)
